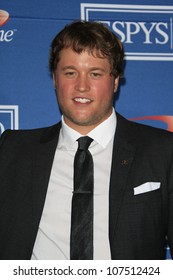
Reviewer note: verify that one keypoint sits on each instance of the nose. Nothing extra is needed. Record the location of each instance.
(82, 84)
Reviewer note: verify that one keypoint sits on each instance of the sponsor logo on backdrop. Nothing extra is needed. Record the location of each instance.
(4, 17)
(168, 120)
(9, 117)
(5, 35)
(146, 31)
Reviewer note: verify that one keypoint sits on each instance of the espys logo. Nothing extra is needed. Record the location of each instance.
(5, 36)
(9, 117)
(145, 30)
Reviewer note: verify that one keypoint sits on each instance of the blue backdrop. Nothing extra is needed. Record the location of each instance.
(27, 97)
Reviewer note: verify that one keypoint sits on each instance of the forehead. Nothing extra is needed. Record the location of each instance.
(68, 56)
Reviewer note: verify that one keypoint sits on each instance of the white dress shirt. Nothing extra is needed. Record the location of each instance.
(53, 238)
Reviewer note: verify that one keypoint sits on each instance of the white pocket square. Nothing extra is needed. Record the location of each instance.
(147, 187)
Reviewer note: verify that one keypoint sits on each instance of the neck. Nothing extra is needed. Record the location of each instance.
(83, 130)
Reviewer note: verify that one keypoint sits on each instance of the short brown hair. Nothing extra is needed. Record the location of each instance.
(93, 37)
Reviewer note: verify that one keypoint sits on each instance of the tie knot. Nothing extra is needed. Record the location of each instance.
(84, 142)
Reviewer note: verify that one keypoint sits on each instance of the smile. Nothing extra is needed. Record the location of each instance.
(82, 100)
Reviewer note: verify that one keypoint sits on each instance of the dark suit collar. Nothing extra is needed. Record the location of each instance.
(125, 130)
(50, 133)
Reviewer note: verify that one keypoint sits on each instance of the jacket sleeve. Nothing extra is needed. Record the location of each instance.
(170, 209)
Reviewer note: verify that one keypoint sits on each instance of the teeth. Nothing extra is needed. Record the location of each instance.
(82, 100)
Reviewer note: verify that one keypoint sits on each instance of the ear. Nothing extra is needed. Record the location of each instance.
(54, 80)
(116, 83)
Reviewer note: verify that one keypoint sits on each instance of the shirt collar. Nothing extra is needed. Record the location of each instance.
(105, 131)
(102, 134)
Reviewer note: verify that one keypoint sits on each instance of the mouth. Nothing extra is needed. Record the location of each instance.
(82, 100)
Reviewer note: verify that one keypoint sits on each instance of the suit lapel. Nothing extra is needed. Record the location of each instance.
(123, 154)
(42, 165)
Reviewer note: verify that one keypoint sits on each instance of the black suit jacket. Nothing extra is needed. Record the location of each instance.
(138, 224)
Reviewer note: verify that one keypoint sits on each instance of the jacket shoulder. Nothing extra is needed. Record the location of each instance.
(142, 134)
(30, 135)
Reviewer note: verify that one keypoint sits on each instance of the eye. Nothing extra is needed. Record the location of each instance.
(96, 75)
(70, 74)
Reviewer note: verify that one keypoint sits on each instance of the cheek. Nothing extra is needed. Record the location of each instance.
(104, 91)
(62, 89)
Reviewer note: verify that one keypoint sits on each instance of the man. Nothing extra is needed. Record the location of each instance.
(133, 169)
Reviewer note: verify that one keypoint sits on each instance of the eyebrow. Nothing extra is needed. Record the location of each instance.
(68, 67)
(90, 69)
(97, 69)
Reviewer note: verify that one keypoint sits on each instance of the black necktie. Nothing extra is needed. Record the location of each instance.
(81, 239)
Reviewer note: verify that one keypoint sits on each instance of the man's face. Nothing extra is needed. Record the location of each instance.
(85, 89)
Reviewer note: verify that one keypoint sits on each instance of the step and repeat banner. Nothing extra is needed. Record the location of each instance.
(27, 96)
